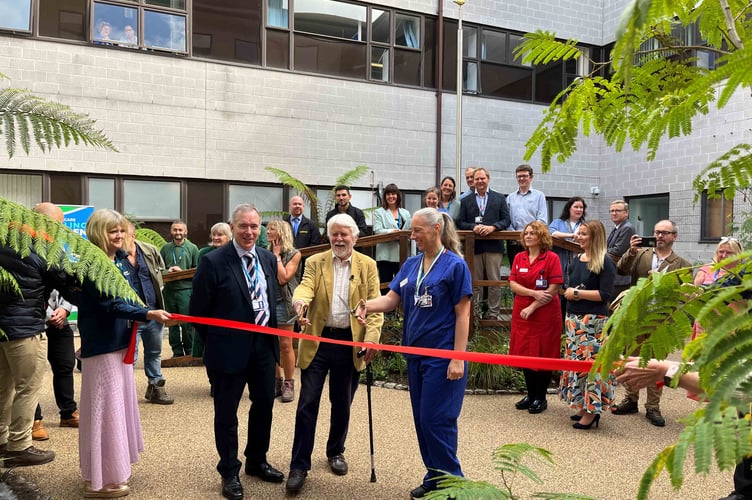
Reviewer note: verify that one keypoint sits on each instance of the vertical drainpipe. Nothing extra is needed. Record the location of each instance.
(439, 82)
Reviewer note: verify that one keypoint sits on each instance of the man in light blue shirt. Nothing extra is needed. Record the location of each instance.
(469, 171)
(525, 206)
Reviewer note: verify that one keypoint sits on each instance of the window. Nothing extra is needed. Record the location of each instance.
(21, 188)
(151, 199)
(16, 15)
(66, 189)
(717, 217)
(330, 18)
(229, 30)
(65, 21)
(646, 211)
(278, 13)
(264, 198)
(204, 208)
(102, 193)
(163, 26)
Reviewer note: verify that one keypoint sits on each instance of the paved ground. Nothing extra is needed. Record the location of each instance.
(179, 461)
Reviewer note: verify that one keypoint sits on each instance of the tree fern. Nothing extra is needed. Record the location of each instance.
(22, 229)
(24, 117)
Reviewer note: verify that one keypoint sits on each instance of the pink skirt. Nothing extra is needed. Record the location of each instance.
(109, 434)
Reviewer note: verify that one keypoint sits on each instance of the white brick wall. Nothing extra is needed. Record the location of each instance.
(191, 119)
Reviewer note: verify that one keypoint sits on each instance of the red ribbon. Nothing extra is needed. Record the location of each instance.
(130, 354)
(535, 363)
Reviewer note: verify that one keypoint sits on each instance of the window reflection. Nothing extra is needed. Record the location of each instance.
(228, 30)
(407, 31)
(380, 26)
(277, 13)
(331, 18)
(318, 55)
(164, 31)
(113, 24)
(16, 15)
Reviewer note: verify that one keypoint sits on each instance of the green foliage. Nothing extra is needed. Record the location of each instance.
(319, 208)
(150, 236)
(510, 460)
(651, 94)
(24, 230)
(490, 376)
(25, 117)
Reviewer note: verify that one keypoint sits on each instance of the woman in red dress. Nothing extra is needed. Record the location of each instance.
(536, 315)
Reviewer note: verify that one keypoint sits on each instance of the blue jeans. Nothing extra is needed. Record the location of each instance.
(151, 332)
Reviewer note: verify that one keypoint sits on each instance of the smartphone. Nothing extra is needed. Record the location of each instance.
(648, 241)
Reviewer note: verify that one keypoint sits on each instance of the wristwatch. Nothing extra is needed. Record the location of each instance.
(670, 374)
(576, 293)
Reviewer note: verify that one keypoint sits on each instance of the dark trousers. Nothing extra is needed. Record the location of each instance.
(513, 248)
(387, 271)
(180, 336)
(228, 389)
(337, 361)
(436, 404)
(537, 382)
(743, 478)
(62, 357)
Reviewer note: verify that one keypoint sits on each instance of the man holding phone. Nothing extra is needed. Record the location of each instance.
(638, 262)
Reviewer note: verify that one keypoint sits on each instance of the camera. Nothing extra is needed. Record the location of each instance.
(647, 241)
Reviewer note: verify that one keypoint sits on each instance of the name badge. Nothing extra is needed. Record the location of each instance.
(479, 219)
(423, 301)
(541, 284)
(403, 282)
(523, 269)
(258, 304)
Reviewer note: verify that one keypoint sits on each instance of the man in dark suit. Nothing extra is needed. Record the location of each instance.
(618, 240)
(484, 213)
(304, 230)
(238, 282)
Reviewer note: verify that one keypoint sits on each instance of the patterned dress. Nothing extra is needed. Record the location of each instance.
(584, 326)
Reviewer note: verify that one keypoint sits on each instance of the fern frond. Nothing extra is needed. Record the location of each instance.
(462, 488)
(50, 124)
(8, 284)
(729, 172)
(22, 229)
(150, 236)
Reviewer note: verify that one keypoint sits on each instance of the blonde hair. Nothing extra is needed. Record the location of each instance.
(285, 235)
(447, 231)
(597, 251)
(734, 245)
(100, 223)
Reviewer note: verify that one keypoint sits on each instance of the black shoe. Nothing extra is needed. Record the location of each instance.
(524, 403)
(265, 472)
(626, 407)
(655, 417)
(420, 491)
(576, 418)
(586, 427)
(538, 406)
(231, 488)
(295, 480)
(734, 496)
(338, 464)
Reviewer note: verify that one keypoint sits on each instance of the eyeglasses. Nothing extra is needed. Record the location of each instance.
(616, 211)
(523, 176)
(728, 239)
(663, 233)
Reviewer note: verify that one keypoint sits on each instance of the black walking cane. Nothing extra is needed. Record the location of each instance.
(369, 383)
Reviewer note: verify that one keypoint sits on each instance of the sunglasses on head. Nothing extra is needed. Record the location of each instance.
(728, 239)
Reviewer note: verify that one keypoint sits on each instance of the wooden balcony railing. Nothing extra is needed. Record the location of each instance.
(403, 237)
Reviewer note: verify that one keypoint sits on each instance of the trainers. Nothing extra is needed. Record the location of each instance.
(288, 391)
(157, 394)
(70, 422)
(38, 432)
(655, 417)
(29, 456)
(278, 383)
(626, 407)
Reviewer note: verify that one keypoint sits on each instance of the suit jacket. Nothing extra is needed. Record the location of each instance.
(220, 291)
(308, 232)
(316, 291)
(639, 265)
(617, 244)
(496, 214)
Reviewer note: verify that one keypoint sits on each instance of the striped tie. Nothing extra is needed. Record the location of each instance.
(261, 317)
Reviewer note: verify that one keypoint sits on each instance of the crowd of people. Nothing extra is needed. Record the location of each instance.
(256, 274)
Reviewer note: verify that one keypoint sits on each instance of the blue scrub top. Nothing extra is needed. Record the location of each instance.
(447, 282)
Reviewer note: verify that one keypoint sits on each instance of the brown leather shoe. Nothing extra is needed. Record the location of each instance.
(29, 456)
(70, 422)
(108, 491)
(38, 432)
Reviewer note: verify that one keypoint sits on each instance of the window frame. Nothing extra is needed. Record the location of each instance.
(708, 227)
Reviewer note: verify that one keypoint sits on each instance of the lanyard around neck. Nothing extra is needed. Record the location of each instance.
(419, 279)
